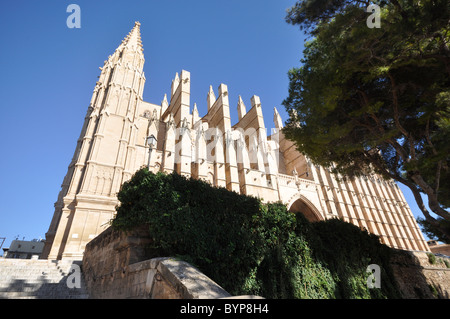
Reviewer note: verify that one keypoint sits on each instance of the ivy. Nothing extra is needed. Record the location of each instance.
(249, 247)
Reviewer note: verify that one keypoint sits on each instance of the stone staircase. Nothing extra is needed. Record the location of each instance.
(41, 279)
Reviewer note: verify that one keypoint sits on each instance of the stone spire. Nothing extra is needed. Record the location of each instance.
(130, 50)
(195, 115)
(175, 83)
(211, 98)
(97, 170)
(133, 39)
(241, 108)
(277, 119)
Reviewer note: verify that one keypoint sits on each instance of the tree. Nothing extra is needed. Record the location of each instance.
(376, 100)
(432, 232)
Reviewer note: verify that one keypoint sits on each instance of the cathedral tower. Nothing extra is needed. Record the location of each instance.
(106, 145)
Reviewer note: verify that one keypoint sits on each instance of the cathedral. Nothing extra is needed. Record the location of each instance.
(242, 157)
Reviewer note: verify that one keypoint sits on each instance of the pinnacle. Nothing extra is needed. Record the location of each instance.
(133, 39)
(241, 108)
(277, 119)
(211, 93)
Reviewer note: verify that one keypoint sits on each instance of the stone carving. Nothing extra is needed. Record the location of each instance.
(240, 157)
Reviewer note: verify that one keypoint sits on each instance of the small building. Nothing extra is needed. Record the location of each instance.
(23, 249)
(438, 248)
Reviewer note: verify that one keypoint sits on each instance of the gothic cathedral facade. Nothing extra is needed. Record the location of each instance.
(241, 157)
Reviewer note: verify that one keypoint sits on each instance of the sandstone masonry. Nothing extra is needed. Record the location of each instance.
(241, 157)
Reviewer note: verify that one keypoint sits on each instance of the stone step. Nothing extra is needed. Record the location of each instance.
(46, 291)
(43, 292)
(36, 276)
(30, 270)
(34, 270)
(60, 292)
(33, 281)
(38, 279)
(31, 273)
(31, 295)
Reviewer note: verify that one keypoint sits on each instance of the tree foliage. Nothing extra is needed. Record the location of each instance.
(432, 232)
(249, 247)
(376, 100)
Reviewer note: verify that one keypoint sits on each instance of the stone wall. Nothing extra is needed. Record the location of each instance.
(118, 265)
(418, 278)
(441, 249)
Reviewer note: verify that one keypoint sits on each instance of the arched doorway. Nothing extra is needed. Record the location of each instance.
(305, 207)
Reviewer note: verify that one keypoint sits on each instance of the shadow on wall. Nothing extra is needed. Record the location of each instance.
(418, 278)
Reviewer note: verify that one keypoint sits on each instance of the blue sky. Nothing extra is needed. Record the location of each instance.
(48, 73)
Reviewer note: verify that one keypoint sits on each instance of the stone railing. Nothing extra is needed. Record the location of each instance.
(418, 278)
(117, 265)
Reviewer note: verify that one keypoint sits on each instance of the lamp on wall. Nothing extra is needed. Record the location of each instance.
(151, 141)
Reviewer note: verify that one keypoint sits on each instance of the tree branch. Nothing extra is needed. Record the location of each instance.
(432, 198)
(427, 136)
(408, 136)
